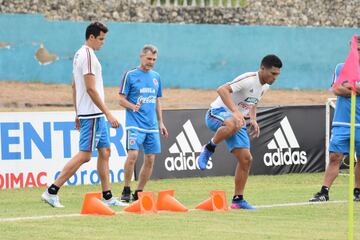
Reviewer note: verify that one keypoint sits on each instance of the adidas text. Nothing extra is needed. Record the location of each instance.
(285, 157)
(184, 162)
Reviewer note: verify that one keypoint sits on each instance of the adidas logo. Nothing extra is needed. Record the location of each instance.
(185, 148)
(284, 142)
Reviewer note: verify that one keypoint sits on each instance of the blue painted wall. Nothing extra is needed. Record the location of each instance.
(191, 56)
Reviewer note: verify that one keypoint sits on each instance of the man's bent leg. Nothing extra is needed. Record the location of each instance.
(228, 129)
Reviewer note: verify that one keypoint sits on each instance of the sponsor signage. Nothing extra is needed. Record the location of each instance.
(35, 146)
(179, 153)
(292, 140)
(286, 146)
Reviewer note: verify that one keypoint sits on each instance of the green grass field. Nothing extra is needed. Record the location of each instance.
(318, 221)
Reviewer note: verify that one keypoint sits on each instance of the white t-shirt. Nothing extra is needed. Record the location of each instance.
(86, 62)
(247, 91)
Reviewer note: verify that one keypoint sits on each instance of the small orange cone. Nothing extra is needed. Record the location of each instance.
(216, 202)
(93, 205)
(166, 201)
(145, 204)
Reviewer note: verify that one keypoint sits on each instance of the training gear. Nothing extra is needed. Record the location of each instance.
(142, 88)
(215, 118)
(204, 158)
(125, 195)
(319, 197)
(85, 62)
(241, 204)
(51, 199)
(114, 202)
(135, 195)
(247, 91)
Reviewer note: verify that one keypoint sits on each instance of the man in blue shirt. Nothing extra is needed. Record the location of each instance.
(340, 137)
(139, 92)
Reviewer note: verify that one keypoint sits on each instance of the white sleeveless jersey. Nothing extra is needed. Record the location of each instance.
(246, 92)
(86, 62)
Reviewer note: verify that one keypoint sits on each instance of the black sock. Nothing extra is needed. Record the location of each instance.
(53, 189)
(107, 194)
(324, 190)
(238, 197)
(356, 191)
(126, 190)
(136, 193)
(211, 146)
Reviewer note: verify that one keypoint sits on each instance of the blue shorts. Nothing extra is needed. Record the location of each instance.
(340, 140)
(94, 133)
(215, 118)
(149, 140)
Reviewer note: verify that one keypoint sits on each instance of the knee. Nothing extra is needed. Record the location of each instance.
(131, 159)
(335, 158)
(149, 162)
(86, 158)
(232, 126)
(106, 152)
(248, 160)
(245, 162)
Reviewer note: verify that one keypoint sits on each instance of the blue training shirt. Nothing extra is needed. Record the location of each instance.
(343, 106)
(138, 85)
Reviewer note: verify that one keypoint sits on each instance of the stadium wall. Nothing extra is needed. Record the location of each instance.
(329, 13)
(191, 56)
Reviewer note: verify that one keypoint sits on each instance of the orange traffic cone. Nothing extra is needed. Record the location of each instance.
(93, 205)
(216, 202)
(166, 201)
(145, 204)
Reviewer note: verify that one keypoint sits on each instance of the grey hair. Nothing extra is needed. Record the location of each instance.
(149, 48)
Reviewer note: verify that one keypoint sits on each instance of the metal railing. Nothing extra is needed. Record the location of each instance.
(199, 3)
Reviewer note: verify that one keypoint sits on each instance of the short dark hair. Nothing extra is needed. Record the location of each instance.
(149, 48)
(270, 61)
(94, 29)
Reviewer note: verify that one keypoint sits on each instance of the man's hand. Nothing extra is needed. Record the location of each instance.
(112, 120)
(137, 106)
(240, 120)
(77, 123)
(163, 130)
(254, 130)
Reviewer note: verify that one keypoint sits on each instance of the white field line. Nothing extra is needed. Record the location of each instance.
(15, 219)
(299, 204)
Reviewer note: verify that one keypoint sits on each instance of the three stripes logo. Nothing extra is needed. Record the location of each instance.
(185, 148)
(284, 142)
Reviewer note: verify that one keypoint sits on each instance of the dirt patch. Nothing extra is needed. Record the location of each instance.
(30, 96)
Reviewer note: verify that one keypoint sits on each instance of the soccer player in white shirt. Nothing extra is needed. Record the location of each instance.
(238, 99)
(88, 97)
